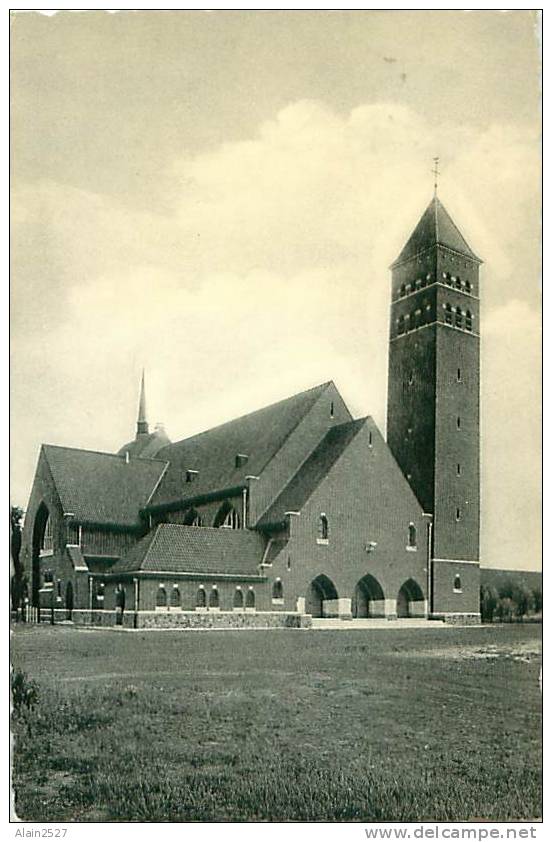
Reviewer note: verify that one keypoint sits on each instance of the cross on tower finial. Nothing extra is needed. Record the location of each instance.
(436, 173)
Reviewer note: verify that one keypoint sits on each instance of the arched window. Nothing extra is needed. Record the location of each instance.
(468, 320)
(227, 517)
(250, 599)
(412, 535)
(47, 544)
(161, 597)
(214, 601)
(418, 283)
(448, 314)
(400, 325)
(323, 528)
(468, 287)
(192, 518)
(458, 318)
(457, 584)
(201, 599)
(238, 598)
(408, 289)
(458, 283)
(458, 513)
(175, 597)
(277, 591)
(402, 291)
(418, 320)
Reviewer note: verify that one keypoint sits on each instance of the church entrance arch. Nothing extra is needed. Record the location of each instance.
(39, 532)
(368, 598)
(410, 600)
(321, 589)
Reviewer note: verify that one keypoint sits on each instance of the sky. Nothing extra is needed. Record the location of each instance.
(217, 196)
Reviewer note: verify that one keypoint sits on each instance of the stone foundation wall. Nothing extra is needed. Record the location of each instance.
(194, 619)
(458, 619)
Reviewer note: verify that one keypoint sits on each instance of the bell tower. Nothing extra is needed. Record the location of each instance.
(433, 399)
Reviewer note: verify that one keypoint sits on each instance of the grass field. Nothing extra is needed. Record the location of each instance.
(371, 725)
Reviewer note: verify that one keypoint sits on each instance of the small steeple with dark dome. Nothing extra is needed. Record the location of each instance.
(146, 444)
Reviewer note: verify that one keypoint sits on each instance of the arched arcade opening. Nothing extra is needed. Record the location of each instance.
(411, 600)
(320, 596)
(368, 598)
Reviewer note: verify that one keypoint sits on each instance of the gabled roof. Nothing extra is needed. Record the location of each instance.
(101, 487)
(436, 227)
(258, 435)
(173, 548)
(313, 471)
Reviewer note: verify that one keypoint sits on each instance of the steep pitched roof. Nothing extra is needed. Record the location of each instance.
(102, 487)
(258, 435)
(436, 227)
(173, 548)
(312, 472)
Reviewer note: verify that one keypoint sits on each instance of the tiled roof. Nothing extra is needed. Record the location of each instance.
(102, 487)
(174, 548)
(258, 435)
(313, 471)
(435, 227)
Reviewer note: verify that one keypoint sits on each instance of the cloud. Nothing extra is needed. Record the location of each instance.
(266, 273)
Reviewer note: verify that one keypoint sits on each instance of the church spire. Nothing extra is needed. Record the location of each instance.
(142, 425)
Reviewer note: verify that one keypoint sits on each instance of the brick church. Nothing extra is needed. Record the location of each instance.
(296, 510)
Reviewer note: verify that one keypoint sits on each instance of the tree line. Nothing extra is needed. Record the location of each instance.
(509, 601)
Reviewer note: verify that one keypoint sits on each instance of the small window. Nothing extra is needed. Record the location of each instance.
(191, 476)
(468, 320)
(214, 601)
(418, 318)
(161, 597)
(458, 423)
(458, 317)
(241, 459)
(175, 597)
(458, 514)
(448, 314)
(192, 518)
(238, 598)
(458, 469)
(402, 291)
(289, 562)
(468, 287)
(458, 375)
(412, 536)
(370, 442)
(457, 584)
(400, 325)
(428, 276)
(227, 517)
(278, 591)
(332, 409)
(250, 599)
(201, 598)
(408, 289)
(458, 283)
(411, 378)
(59, 588)
(418, 283)
(323, 528)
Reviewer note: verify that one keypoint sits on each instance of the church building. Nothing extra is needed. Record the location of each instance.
(296, 510)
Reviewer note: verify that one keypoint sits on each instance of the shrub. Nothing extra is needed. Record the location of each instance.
(24, 692)
(504, 609)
